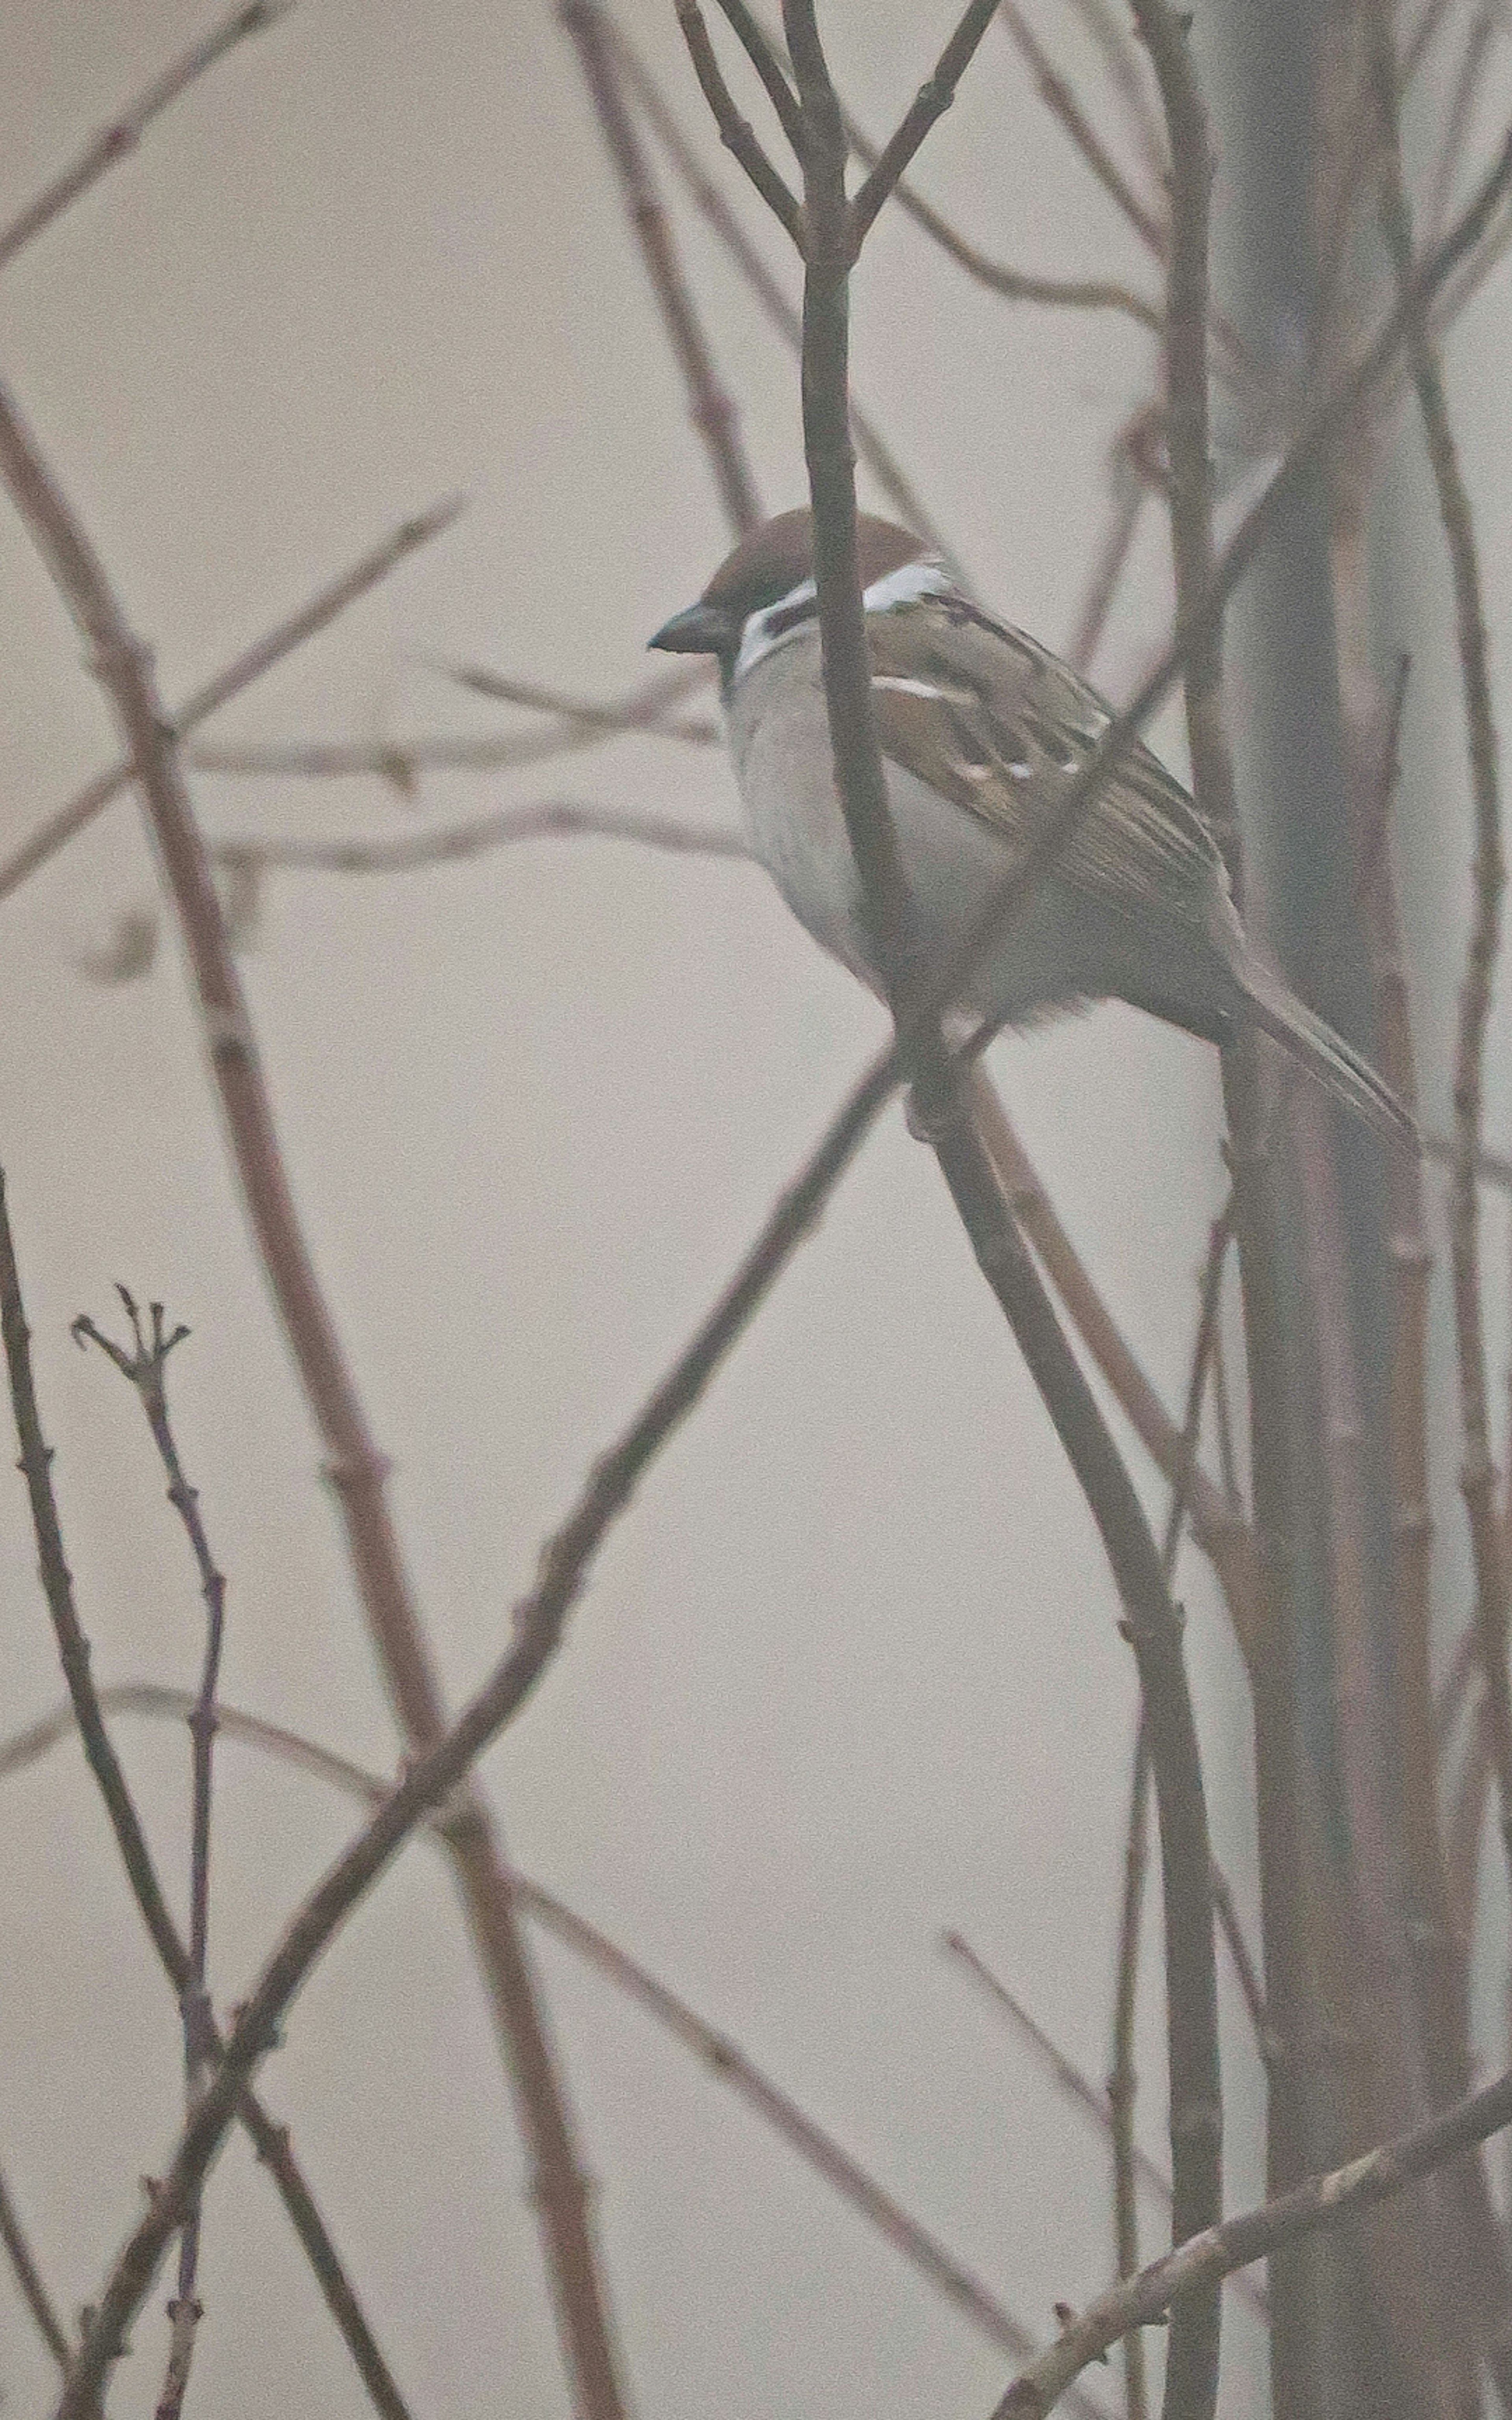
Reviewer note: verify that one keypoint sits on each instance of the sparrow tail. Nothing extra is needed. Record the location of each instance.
(1325, 1055)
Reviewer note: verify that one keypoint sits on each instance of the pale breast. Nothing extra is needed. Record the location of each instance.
(780, 746)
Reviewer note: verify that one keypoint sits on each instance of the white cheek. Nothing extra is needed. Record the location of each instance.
(759, 638)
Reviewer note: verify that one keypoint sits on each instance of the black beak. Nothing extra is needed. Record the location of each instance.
(700, 630)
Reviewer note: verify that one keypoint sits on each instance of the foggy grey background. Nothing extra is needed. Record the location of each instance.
(848, 1671)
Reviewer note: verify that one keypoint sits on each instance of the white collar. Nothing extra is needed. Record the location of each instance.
(771, 628)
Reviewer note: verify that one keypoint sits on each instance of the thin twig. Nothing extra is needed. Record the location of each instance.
(119, 139)
(649, 708)
(765, 59)
(145, 1367)
(1254, 2235)
(710, 406)
(1110, 29)
(1058, 97)
(1072, 2081)
(238, 675)
(999, 276)
(823, 2154)
(1217, 1523)
(709, 201)
(929, 103)
(720, 2056)
(1122, 2081)
(1457, 120)
(1128, 492)
(1244, 1967)
(1153, 1629)
(1191, 496)
(270, 2140)
(28, 2278)
(357, 1470)
(736, 132)
(443, 844)
(644, 710)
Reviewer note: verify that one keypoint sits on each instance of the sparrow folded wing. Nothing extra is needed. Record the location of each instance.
(995, 722)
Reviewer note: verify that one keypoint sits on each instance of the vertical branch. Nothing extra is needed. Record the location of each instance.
(1477, 2267)
(1151, 1623)
(1122, 2078)
(1478, 1476)
(356, 1469)
(1152, 1626)
(828, 253)
(711, 408)
(145, 1368)
(1122, 2082)
(1276, 1759)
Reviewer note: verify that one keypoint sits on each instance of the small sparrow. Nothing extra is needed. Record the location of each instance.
(982, 733)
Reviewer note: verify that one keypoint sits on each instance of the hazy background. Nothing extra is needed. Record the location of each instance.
(848, 1672)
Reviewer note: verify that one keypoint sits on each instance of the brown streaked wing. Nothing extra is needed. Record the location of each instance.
(1007, 735)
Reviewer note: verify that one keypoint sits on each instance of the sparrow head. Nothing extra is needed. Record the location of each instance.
(765, 588)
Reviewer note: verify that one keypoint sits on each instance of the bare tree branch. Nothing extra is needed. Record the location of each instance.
(870, 446)
(712, 412)
(764, 57)
(356, 1469)
(540, 1616)
(1062, 103)
(1151, 1622)
(1254, 2235)
(1000, 276)
(1072, 2084)
(645, 708)
(1467, 89)
(28, 2278)
(716, 2051)
(823, 2154)
(579, 726)
(736, 132)
(1218, 1524)
(270, 2140)
(471, 835)
(145, 1368)
(1478, 1475)
(1123, 2081)
(929, 103)
(1129, 488)
(1125, 62)
(119, 139)
(1244, 1965)
(238, 675)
